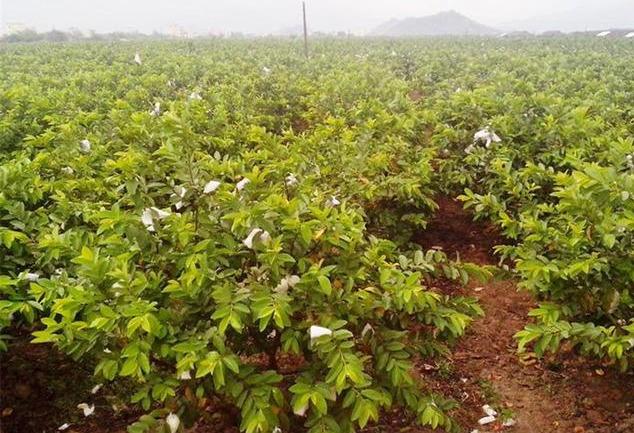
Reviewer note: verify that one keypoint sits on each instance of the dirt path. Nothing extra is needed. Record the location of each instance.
(562, 394)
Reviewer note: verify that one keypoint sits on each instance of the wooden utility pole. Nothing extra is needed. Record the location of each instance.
(305, 30)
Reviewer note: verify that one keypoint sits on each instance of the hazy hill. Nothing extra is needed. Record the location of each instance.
(444, 23)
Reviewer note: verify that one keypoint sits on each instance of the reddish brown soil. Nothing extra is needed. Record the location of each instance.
(563, 394)
(415, 95)
(454, 231)
(40, 388)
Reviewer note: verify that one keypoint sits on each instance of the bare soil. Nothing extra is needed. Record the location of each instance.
(560, 394)
(40, 389)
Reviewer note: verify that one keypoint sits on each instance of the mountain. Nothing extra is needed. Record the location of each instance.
(441, 24)
(610, 14)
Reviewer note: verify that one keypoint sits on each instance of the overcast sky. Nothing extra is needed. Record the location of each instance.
(267, 16)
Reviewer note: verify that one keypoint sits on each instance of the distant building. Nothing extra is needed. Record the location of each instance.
(178, 32)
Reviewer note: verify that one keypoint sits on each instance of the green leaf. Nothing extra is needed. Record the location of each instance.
(324, 284)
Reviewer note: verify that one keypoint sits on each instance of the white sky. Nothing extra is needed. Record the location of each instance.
(265, 16)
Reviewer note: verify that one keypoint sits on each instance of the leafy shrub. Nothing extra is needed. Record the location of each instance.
(195, 298)
(577, 254)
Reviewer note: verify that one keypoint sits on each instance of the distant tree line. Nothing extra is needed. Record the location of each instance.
(69, 36)
(26, 36)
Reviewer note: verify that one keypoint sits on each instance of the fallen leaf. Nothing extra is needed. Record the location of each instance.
(528, 359)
